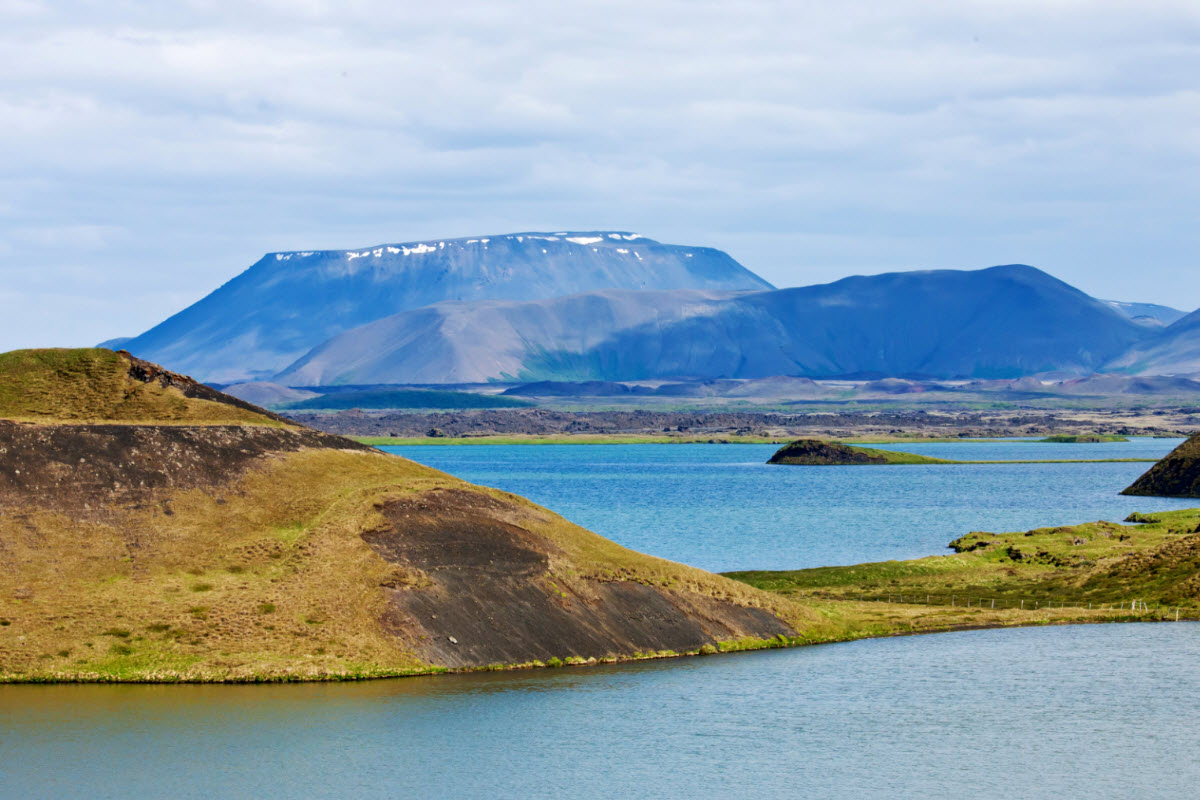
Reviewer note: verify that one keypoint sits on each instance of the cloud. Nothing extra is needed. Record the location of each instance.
(165, 147)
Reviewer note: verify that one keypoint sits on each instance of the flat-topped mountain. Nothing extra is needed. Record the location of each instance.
(288, 303)
(155, 530)
(1000, 322)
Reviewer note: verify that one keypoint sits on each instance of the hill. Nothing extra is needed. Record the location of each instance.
(98, 385)
(1002, 322)
(156, 530)
(817, 452)
(1176, 475)
(287, 303)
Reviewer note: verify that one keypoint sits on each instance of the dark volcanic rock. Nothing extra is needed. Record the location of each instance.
(489, 598)
(72, 467)
(1177, 475)
(817, 452)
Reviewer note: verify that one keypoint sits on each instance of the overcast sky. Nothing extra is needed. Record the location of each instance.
(150, 154)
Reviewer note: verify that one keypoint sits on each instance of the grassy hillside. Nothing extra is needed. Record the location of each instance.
(97, 385)
(270, 577)
(1149, 569)
(254, 550)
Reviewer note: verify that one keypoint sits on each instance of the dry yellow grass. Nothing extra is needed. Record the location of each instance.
(268, 578)
(94, 385)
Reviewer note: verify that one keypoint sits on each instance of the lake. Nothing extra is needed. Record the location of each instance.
(1103, 711)
(722, 507)
(1098, 711)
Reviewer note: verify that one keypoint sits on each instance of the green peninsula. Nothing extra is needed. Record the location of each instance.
(822, 453)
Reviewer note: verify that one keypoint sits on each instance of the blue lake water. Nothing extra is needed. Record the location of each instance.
(1106, 711)
(1103, 711)
(722, 507)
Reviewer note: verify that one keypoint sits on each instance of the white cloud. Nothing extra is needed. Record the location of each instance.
(807, 139)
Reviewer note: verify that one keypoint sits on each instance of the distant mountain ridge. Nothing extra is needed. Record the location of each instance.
(1175, 351)
(1149, 314)
(289, 302)
(1000, 322)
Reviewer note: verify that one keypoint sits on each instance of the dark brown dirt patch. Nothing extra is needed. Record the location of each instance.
(491, 600)
(80, 467)
(149, 372)
(1177, 475)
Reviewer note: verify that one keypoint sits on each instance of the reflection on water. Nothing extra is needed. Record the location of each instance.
(721, 507)
(1095, 711)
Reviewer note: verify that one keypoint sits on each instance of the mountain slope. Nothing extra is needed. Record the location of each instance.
(1175, 351)
(1151, 315)
(287, 303)
(999, 322)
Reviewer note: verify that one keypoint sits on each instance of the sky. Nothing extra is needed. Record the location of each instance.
(151, 152)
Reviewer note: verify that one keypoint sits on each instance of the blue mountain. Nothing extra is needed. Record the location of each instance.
(288, 303)
(1002, 322)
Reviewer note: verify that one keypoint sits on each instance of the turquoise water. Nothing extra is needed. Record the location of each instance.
(1102, 711)
(721, 507)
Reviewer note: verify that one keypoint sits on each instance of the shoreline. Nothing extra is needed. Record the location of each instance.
(722, 648)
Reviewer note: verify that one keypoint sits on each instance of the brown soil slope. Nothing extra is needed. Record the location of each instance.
(253, 551)
(1176, 475)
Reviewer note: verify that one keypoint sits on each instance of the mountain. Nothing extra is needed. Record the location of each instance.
(1175, 351)
(153, 529)
(1148, 314)
(287, 303)
(1000, 322)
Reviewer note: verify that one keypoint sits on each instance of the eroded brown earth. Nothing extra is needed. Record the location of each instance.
(480, 591)
(82, 467)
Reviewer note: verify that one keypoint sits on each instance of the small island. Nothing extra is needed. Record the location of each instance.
(1177, 475)
(821, 453)
(1082, 438)
(816, 452)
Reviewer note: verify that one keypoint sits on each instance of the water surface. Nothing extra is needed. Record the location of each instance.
(722, 507)
(1104, 711)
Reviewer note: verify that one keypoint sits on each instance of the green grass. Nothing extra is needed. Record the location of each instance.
(1082, 438)
(1154, 560)
(304, 605)
(896, 457)
(94, 385)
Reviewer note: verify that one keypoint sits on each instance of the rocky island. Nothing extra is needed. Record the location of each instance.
(1177, 475)
(816, 452)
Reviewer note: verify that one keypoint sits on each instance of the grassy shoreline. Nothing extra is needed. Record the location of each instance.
(1101, 572)
(917, 625)
(895, 458)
